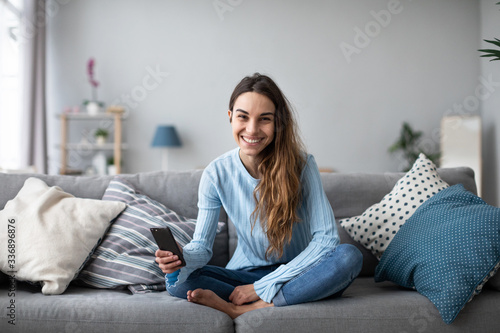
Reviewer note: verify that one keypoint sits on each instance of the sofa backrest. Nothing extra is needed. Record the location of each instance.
(177, 190)
(349, 194)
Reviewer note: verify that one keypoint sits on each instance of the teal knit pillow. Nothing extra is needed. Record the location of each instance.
(446, 251)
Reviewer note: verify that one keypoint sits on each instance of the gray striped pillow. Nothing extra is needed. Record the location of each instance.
(125, 258)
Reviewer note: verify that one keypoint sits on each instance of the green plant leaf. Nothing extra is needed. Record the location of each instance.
(491, 55)
(494, 42)
(491, 52)
(101, 132)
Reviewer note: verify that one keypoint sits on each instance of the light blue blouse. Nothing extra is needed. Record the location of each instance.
(226, 183)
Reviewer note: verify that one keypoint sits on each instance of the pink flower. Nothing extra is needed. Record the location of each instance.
(90, 72)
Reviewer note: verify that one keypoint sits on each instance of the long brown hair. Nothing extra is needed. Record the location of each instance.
(278, 194)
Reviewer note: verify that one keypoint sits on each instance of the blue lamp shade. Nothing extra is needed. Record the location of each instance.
(166, 136)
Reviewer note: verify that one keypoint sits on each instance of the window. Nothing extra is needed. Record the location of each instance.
(10, 84)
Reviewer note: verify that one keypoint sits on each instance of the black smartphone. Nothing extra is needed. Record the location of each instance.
(166, 242)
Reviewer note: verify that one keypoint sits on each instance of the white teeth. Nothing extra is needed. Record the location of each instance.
(251, 141)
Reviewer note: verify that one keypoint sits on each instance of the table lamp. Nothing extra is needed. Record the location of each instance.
(165, 137)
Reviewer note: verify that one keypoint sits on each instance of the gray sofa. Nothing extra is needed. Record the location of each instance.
(366, 306)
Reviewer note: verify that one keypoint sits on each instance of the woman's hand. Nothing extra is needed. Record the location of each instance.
(167, 261)
(243, 294)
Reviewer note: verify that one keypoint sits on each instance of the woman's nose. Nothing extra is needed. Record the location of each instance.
(252, 127)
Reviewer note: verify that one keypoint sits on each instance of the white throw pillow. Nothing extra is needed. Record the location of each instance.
(377, 226)
(48, 234)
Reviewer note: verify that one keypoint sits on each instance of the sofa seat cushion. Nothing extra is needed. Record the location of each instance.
(90, 310)
(367, 306)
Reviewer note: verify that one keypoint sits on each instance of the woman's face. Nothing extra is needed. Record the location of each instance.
(252, 121)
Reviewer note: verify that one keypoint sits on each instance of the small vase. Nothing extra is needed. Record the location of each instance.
(100, 140)
(99, 163)
(93, 108)
(111, 170)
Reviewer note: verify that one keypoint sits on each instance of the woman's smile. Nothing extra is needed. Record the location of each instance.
(251, 141)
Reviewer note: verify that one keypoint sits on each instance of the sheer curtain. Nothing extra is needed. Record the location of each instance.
(23, 140)
(34, 124)
(10, 85)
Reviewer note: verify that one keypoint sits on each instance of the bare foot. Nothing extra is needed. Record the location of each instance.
(209, 298)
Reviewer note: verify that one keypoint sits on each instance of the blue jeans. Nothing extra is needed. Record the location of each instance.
(329, 276)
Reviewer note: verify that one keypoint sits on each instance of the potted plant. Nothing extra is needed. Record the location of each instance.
(93, 106)
(494, 54)
(101, 135)
(409, 143)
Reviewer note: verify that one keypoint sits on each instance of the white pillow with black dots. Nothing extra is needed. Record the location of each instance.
(377, 226)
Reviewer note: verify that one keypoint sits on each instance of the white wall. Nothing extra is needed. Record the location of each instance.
(419, 63)
(490, 29)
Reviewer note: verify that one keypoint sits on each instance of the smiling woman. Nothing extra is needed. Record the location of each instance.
(288, 248)
(270, 150)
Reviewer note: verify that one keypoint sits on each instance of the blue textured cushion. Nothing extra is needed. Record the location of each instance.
(125, 258)
(446, 251)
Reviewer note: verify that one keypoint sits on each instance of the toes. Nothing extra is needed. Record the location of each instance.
(195, 295)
